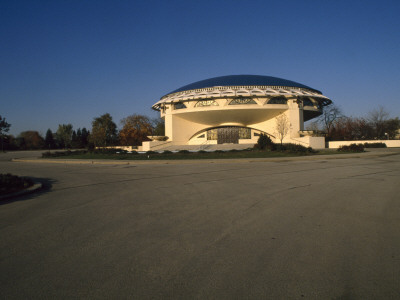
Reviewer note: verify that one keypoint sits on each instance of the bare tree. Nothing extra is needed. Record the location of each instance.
(282, 126)
(378, 118)
(330, 115)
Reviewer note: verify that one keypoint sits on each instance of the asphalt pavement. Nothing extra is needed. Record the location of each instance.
(319, 229)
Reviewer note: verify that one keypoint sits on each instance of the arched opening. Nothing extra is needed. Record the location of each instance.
(229, 134)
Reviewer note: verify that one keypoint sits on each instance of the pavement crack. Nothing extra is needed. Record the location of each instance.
(297, 187)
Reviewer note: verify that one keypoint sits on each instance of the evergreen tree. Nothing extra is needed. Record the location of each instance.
(85, 137)
(158, 127)
(74, 140)
(49, 141)
(4, 127)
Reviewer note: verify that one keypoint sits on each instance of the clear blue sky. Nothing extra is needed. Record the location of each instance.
(71, 61)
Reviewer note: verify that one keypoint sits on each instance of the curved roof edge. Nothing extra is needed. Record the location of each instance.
(241, 80)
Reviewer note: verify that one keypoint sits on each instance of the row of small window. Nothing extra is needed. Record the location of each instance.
(238, 101)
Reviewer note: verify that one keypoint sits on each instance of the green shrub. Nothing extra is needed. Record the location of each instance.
(218, 151)
(109, 151)
(91, 147)
(167, 152)
(184, 151)
(202, 151)
(375, 145)
(294, 148)
(351, 148)
(264, 142)
(11, 183)
(48, 154)
(151, 152)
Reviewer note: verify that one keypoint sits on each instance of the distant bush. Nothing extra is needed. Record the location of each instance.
(109, 151)
(48, 154)
(11, 183)
(294, 148)
(375, 145)
(91, 147)
(151, 152)
(167, 152)
(202, 151)
(264, 142)
(351, 148)
(218, 151)
(183, 151)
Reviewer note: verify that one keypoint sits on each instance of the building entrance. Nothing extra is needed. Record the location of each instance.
(228, 135)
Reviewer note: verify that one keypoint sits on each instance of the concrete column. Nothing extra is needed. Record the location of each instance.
(169, 126)
(296, 119)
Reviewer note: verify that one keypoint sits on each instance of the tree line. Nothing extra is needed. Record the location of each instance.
(333, 124)
(376, 125)
(104, 132)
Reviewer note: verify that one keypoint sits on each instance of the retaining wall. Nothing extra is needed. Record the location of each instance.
(389, 143)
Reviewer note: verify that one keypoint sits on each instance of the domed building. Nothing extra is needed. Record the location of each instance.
(236, 109)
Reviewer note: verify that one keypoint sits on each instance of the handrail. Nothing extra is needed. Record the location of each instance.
(308, 145)
(204, 145)
(158, 145)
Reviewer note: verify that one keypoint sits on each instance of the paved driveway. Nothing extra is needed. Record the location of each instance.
(322, 229)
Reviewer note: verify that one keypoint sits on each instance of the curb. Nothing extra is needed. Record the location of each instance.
(36, 186)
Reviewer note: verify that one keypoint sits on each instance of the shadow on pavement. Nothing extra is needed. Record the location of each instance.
(47, 184)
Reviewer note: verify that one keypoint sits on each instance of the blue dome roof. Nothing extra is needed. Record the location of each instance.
(240, 80)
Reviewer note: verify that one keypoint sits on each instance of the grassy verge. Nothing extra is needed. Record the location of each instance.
(11, 184)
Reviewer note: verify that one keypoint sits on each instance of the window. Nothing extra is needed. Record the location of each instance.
(201, 136)
(307, 102)
(212, 134)
(206, 102)
(278, 100)
(179, 105)
(239, 101)
(244, 133)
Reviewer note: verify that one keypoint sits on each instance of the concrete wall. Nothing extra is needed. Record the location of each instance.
(153, 145)
(309, 141)
(126, 148)
(389, 143)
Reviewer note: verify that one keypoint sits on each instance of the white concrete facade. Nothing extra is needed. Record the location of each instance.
(242, 113)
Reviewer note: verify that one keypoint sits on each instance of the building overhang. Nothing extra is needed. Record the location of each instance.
(219, 92)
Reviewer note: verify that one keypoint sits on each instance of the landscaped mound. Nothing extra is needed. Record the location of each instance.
(11, 183)
(264, 148)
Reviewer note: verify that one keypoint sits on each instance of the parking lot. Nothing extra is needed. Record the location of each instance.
(318, 229)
